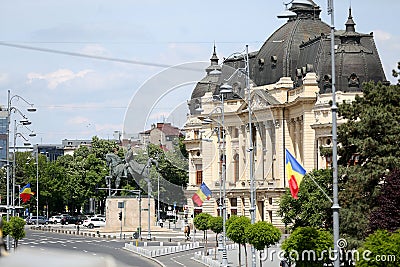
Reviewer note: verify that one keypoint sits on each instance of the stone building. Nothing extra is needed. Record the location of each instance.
(290, 92)
(163, 134)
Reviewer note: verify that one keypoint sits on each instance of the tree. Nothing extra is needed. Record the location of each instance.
(201, 222)
(15, 228)
(386, 215)
(308, 247)
(261, 235)
(215, 224)
(382, 248)
(369, 149)
(312, 208)
(236, 231)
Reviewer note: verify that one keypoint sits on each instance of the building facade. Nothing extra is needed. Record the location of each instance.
(163, 134)
(289, 99)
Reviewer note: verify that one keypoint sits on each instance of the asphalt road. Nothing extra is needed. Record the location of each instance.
(82, 246)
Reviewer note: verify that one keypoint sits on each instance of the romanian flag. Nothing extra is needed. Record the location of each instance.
(26, 193)
(295, 173)
(201, 195)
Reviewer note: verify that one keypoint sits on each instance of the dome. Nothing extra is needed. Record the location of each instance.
(356, 60)
(208, 84)
(278, 57)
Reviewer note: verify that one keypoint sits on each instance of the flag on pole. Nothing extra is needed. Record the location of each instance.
(201, 195)
(26, 193)
(295, 173)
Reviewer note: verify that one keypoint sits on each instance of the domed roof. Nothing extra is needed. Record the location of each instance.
(279, 54)
(356, 59)
(209, 82)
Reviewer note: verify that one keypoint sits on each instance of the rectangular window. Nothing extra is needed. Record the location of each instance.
(196, 134)
(233, 202)
(199, 177)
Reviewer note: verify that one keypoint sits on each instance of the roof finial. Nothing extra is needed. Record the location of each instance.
(214, 58)
(350, 24)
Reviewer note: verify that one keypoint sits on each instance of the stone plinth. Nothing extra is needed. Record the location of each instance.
(130, 213)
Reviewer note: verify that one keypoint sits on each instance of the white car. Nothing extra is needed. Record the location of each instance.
(55, 219)
(94, 222)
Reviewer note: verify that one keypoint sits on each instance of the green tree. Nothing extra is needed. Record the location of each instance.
(14, 228)
(201, 222)
(308, 247)
(382, 248)
(236, 231)
(262, 235)
(215, 224)
(368, 151)
(312, 208)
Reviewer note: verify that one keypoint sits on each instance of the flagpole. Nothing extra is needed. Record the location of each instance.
(319, 187)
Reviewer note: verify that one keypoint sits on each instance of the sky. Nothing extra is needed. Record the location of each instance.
(83, 63)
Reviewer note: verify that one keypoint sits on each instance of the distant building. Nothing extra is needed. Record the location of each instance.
(163, 134)
(51, 151)
(70, 145)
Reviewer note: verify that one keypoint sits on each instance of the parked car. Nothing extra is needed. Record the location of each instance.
(94, 222)
(39, 219)
(98, 216)
(68, 219)
(55, 219)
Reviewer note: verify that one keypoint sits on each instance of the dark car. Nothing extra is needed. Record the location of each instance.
(70, 220)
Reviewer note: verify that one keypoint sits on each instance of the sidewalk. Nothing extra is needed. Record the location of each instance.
(233, 257)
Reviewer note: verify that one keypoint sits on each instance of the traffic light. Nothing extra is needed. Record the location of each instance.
(120, 215)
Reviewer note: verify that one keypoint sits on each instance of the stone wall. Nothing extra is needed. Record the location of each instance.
(130, 213)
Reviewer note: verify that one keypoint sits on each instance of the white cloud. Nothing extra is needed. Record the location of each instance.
(78, 120)
(95, 49)
(382, 35)
(58, 77)
(3, 78)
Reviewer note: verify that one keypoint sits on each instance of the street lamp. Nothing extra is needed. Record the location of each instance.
(26, 143)
(335, 206)
(10, 109)
(245, 70)
(224, 89)
(150, 161)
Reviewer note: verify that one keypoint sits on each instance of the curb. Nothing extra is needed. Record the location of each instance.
(147, 257)
(162, 251)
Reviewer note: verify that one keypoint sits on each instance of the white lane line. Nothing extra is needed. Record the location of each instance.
(173, 259)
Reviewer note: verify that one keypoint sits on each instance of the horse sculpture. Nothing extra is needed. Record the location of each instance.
(117, 168)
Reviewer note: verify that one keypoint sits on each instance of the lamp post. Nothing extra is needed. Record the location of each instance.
(224, 89)
(9, 110)
(250, 149)
(335, 206)
(16, 134)
(37, 185)
(150, 161)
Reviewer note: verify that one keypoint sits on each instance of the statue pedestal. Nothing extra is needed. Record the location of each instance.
(131, 215)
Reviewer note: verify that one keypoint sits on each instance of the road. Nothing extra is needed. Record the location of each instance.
(89, 247)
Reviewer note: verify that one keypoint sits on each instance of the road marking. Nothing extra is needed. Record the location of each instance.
(173, 259)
